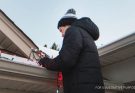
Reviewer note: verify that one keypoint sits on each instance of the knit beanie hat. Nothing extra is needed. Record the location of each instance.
(68, 18)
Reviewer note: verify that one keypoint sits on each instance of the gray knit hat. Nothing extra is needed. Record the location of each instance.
(68, 18)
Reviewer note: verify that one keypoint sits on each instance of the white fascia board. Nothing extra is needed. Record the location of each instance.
(130, 39)
(26, 70)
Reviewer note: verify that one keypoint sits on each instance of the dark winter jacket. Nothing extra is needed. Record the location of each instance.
(78, 59)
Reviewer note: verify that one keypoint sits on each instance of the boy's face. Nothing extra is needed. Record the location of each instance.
(63, 29)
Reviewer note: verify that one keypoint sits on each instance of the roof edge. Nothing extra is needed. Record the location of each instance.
(19, 28)
(117, 44)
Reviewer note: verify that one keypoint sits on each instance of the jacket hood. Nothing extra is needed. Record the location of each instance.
(89, 26)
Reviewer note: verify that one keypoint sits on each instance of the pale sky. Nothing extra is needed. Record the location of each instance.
(38, 18)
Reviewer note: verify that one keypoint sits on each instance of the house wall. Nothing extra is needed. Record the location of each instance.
(120, 72)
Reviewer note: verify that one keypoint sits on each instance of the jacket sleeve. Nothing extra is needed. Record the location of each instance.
(69, 53)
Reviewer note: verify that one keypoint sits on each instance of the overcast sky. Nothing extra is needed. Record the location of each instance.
(38, 18)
